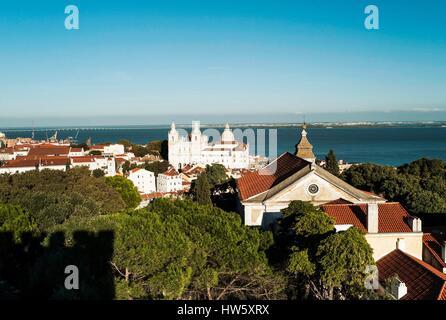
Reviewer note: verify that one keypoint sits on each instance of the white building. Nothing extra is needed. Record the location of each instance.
(196, 149)
(2, 140)
(143, 180)
(96, 162)
(113, 150)
(88, 162)
(19, 166)
(264, 193)
(7, 154)
(76, 152)
(107, 165)
(20, 152)
(54, 163)
(169, 181)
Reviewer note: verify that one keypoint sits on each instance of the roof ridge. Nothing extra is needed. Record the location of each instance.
(359, 204)
(341, 204)
(275, 160)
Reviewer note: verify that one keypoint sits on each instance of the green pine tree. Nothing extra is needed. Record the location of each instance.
(331, 164)
(203, 189)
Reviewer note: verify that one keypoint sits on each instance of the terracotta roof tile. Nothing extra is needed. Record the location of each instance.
(186, 168)
(284, 166)
(339, 201)
(171, 172)
(442, 294)
(153, 195)
(392, 217)
(423, 281)
(85, 159)
(22, 163)
(195, 170)
(55, 161)
(48, 150)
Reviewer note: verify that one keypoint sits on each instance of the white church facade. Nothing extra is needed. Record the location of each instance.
(196, 149)
(264, 193)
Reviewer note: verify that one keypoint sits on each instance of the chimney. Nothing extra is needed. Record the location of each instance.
(398, 288)
(372, 217)
(415, 224)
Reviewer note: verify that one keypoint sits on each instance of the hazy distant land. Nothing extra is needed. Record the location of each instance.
(354, 124)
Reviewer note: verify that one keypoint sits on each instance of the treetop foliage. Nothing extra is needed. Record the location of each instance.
(126, 189)
(52, 196)
(16, 220)
(202, 189)
(331, 163)
(322, 263)
(151, 148)
(419, 186)
(182, 250)
(216, 174)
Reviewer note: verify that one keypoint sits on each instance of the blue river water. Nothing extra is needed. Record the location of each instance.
(383, 145)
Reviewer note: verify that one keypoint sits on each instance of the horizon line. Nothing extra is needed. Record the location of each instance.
(235, 124)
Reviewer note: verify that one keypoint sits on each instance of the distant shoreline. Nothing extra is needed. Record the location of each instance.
(328, 125)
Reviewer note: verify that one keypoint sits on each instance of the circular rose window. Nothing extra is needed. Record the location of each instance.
(313, 188)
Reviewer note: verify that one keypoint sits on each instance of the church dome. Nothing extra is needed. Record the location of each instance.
(227, 135)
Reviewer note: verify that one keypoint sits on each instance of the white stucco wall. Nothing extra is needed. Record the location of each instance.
(143, 180)
(384, 243)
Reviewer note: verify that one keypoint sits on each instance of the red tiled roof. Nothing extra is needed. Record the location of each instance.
(171, 172)
(423, 281)
(339, 201)
(98, 146)
(84, 159)
(23, 146)
(254, 183)
(55, 161)
(392, 217)
(186, 168)
(434, 243)
(76, 149)
(442, 295)
(48, 150)
(153, 195)
(192, 170)
(22, 163)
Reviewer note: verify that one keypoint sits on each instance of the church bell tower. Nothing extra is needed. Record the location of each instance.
(304, 149)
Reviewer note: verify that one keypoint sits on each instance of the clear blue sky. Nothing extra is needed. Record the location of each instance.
(164, 57)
